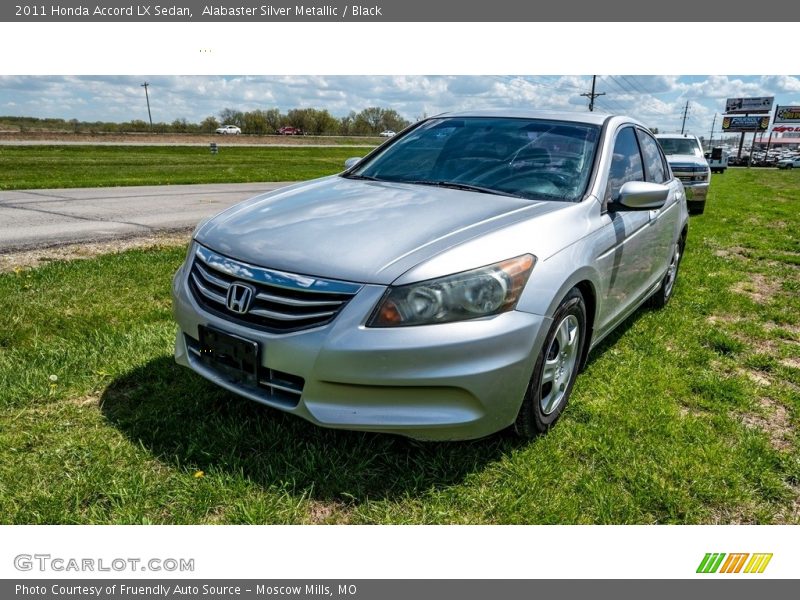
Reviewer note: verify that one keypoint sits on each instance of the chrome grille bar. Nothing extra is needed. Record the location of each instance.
(273, 314)
(282, 301)
(213, 296)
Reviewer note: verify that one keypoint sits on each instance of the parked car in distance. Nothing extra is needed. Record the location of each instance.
(685, 156)
(228, 130)
(789, 163)
(446, 286)
(388, 133)
(288, 130)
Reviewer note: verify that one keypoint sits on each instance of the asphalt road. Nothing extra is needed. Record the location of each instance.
(39, 218)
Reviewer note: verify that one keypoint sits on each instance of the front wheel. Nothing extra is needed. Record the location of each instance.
(556, 368)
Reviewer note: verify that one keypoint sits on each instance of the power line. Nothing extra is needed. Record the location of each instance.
(628, 89)
(634, 83)
(611, 106)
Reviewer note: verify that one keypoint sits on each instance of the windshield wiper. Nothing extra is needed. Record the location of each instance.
(455, 185)
(366, 177)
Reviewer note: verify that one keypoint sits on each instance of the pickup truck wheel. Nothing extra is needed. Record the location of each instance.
(696, 208)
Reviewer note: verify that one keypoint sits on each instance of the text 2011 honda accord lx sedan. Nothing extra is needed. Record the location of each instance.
(448, 285)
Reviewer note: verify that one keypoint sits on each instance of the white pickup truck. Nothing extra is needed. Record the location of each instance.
(684, 154)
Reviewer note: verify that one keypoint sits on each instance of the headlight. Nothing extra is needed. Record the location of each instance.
(478, 293)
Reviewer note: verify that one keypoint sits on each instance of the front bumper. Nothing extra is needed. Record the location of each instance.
(440, 382)
(696, 192)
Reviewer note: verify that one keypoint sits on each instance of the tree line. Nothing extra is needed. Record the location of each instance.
(370, 121)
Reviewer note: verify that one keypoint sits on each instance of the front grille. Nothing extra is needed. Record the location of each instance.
(687, 178)
(276, 386)
(281, 303)
(689, 173)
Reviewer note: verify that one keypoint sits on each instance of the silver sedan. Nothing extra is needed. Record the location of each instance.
(448, 285)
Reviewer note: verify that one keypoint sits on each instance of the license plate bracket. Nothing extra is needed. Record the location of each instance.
(234, 357)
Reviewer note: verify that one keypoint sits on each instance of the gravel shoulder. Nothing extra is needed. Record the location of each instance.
(20, 260)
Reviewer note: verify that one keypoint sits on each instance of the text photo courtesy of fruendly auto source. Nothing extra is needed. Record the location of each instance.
(400, 299)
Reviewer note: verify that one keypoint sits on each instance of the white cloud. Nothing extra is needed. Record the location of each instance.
(656, 100)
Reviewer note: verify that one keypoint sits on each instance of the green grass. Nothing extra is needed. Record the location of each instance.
(41, 167)
(686, 415)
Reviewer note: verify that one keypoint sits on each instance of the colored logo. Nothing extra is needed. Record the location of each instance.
(741, 562)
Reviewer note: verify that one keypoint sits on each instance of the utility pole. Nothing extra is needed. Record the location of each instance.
(685, 113)
(146, 95)
(711, 137)
(771, 125)
(592, 95)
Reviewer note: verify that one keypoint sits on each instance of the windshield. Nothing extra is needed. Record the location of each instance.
(680, 146)
(529, 158)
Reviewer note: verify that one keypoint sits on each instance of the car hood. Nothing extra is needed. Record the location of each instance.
(356, 230)
(686, 160)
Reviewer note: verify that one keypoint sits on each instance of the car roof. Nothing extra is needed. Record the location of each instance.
(682, 136)
(591, 118)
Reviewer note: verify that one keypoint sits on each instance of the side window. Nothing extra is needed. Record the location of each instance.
(626, 164)
(653, 162)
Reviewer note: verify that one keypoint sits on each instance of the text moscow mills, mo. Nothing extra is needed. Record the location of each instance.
(209, 10)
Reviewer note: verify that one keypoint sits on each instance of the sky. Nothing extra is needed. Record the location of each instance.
(658, 100)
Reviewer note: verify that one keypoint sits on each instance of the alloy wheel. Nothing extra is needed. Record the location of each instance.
(560, 364)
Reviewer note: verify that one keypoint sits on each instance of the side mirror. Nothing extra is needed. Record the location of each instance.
(352, 162)
(642, 195)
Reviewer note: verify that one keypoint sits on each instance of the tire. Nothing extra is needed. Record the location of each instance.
(696, 208)
(556, 368)
(667, 288)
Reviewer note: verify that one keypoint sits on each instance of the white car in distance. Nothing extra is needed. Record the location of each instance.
(228, 130)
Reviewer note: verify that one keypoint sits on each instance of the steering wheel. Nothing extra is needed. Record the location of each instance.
(558, 179)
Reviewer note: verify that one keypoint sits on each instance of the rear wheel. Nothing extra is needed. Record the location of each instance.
(556, 368)
(664, 293)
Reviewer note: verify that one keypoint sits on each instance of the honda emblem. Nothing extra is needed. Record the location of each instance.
(240, 296)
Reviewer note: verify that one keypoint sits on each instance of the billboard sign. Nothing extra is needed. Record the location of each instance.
(732, 124)
(749, 105)
(787, 114)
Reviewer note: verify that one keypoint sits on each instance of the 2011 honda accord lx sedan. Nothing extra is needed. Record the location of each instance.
(446, 286)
